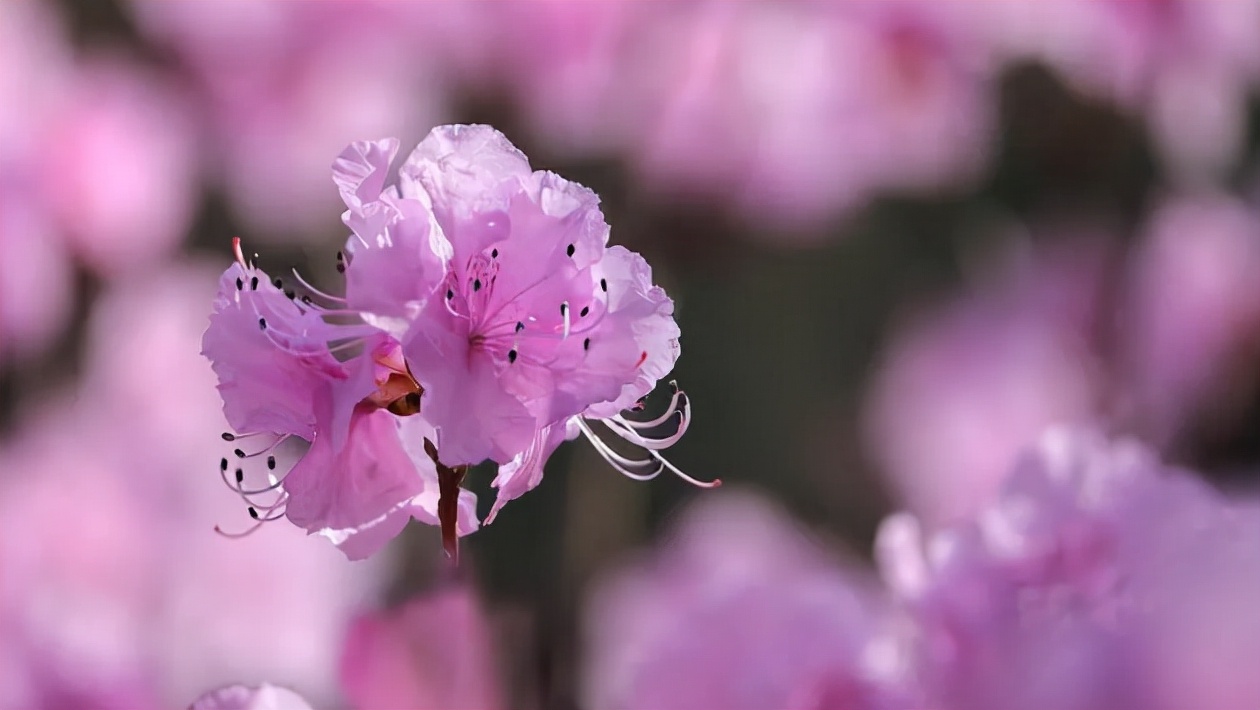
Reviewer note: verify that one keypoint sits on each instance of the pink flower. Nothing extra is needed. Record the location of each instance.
(240, 697)
(365, 473)
(434, 652)
(489, 309)
(740, 611)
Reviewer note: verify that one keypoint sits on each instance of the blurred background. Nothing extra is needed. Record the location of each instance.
(903, 239)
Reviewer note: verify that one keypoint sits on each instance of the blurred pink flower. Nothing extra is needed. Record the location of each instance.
(1188, 67)
(1084, 585)
(1193, 313)
(740, 610)
(141, 593)
(968, 385)
(794, 112)
(1152, 342)
(240, 697)
(285, 84)
(434, 652)
(120, 167)
(35, 66)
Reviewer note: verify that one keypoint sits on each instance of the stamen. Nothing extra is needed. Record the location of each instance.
(564, 311)
(228, 436)
(669, 412)
(253, 284)
(314, 290)
(616, 460)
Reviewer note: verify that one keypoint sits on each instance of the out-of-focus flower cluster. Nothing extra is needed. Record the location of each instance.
(1069, 569)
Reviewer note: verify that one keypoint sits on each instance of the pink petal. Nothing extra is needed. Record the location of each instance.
(240, 697)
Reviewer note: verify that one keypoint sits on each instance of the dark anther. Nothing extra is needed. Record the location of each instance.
(519, 326)
(253, 284)
(239, 454)
(306, 300)
(603, 284)
(340, 256)
(262, 323)
(564, 308)
(585, 310)
(586, 344)
(223, 465)
(271, 463)
(289, 294)
(253, 513)
(512, 355)
(341, 267)
(240, 475)
(277, 282)
(239, 284)
(494, 253)
(227, 436)
(476, 284)
(449, 294)
(570, 250)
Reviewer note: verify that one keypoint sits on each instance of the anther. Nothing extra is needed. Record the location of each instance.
(240, 285)
(289, 294)
(449, 294)
(239, 454)
(227, 436)
(253, 284)
(262, 323)
(223, 465)
(277, 282)
(603, 284)
(476, 284)
(570, 250)
(512, 355)
(271, 463)
(306, 300)
(494, 253)
(240, 475)
(341, 267)
(564, 308)
(253, 513)
(586, 344)
(519, 326)
(585, 310)
(340, 256)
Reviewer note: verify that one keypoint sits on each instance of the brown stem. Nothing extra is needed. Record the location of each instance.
(449, 480)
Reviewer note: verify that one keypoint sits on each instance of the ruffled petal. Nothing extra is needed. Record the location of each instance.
(524, 472)
(270, 355)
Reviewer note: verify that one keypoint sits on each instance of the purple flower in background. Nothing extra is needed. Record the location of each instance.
(1098, 578)
(741, 610)
(1153, 342)
(488, 320)
(967, 385)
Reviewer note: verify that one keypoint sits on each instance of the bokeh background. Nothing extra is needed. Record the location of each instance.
(903, 239)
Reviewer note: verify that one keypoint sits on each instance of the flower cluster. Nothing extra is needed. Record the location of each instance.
(485, 317)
